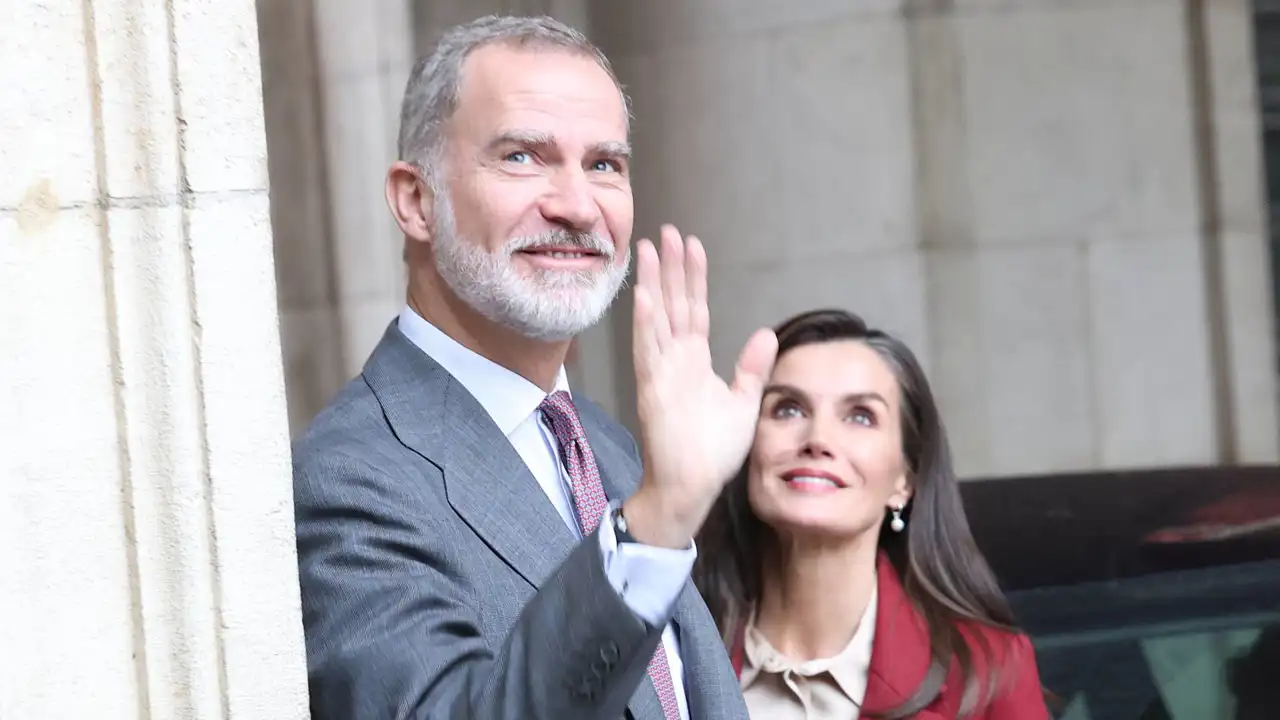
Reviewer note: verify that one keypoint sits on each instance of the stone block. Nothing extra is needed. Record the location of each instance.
(219, 85)
(1150, 339)
(46, 115)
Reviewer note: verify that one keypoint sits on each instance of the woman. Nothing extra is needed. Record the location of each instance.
(839, 564)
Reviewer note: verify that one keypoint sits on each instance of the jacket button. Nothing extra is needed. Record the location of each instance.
(609, 653)
(584, 687)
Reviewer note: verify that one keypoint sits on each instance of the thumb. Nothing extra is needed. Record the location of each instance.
(755, 364)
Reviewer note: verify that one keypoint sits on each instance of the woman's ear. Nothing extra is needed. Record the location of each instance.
(902, 492)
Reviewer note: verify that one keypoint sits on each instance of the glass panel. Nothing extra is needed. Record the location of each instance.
(1227, 674)
(1149, 595)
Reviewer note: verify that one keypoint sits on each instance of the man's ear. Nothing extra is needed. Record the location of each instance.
(410, 200)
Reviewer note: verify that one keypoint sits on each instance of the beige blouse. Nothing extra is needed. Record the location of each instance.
(776, 688)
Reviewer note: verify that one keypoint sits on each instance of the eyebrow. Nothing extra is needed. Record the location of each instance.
(612, 148)
(792, 391)
(536, 139)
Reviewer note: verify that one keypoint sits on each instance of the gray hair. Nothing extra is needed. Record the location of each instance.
(431, 96)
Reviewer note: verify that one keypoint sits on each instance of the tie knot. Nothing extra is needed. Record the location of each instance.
(562, 416)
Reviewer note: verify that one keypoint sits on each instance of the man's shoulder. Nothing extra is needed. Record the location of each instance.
(350, 450)
(352, 414)
(352, 428)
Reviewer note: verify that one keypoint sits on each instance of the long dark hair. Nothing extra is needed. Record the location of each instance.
(943, 574)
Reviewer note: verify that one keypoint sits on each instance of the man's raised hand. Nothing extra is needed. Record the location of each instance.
(695, 429)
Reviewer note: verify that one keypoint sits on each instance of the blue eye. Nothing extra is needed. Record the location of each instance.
(786, 409)
(863, 416)
(606, 166)
(520, 157)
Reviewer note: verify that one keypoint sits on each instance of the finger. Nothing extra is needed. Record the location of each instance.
(648, 278)
(755, 364)
(673, 288)
(696, 281)
(644, 343)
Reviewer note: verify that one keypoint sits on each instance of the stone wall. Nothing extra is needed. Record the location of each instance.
(146, 522)
(1058, 205)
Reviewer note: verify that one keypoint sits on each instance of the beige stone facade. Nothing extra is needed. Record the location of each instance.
(1058, 205)
(147, 565)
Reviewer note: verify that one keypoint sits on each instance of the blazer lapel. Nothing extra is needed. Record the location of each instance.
(489, 485)
(900, 651)
(486, 481)
(710, 684)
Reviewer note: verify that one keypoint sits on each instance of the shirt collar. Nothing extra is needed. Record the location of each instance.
(848, 668)
(508, 398)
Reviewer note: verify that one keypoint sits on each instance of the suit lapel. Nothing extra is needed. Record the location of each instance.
(490, 486)
(486, 481)
(710, 684)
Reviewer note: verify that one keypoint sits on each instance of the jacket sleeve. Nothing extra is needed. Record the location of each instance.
(391, 629)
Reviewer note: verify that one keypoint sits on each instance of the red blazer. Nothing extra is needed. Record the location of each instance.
(900, 660)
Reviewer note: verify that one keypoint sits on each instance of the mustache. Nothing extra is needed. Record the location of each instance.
(562, 238)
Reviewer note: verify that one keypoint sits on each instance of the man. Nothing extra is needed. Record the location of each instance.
(474, 540)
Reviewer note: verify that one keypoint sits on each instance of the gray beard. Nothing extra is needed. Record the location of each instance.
(547, 305)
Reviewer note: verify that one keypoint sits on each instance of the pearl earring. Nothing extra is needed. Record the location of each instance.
(897, 524)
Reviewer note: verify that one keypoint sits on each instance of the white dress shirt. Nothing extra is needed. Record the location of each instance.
(649, 579)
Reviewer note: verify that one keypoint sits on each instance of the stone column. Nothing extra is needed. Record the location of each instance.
(364, 53)
(1231, 167)
(146, 534)
(311, 330)
(334, 72)
(1058, 208)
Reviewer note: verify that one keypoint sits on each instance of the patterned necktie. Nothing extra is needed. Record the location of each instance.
(591, 504)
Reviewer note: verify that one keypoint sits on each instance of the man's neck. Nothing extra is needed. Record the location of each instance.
(537, 361)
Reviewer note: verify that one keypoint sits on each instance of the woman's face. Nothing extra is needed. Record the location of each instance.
(827, 457)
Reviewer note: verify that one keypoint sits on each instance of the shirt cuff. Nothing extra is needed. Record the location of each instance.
(647, 578)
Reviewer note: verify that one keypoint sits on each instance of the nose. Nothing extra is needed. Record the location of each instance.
(817, 449)
(814, 442)
(571, 202)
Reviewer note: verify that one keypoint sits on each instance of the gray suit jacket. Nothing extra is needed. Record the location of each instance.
(438, 581)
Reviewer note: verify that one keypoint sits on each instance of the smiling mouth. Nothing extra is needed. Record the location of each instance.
(813, 481)
(562, 254)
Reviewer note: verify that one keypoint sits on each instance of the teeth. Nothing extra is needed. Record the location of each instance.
(567, 255)
(806, 480)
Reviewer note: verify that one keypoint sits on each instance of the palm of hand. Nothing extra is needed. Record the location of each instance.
(696, 429)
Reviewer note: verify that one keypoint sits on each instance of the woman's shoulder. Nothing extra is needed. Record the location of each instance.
(1002, 647)
(1006, 656)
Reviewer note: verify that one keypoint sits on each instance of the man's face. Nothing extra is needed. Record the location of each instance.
(533, 222)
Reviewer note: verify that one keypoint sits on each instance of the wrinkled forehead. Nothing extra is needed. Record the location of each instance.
(539, 88)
